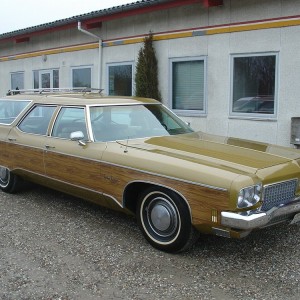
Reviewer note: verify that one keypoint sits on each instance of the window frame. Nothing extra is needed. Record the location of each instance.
(78, 68)
(116, 64)
(184, 112)
(255, 116)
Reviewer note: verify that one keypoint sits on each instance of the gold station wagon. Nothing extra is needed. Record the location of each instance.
(134, 155)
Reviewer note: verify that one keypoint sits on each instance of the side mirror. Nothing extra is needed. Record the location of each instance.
(77, 136)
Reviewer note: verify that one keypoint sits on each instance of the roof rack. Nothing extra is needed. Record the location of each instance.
(54, 90)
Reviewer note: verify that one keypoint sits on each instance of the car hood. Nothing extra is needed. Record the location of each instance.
(233, 153)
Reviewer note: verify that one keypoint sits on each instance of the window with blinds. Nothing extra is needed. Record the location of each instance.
(188, 85)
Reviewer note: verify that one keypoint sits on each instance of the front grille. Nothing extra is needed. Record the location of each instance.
(279, 193)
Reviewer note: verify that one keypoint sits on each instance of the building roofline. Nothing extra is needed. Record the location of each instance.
(95, 18)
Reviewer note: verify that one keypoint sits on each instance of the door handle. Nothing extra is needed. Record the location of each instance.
(12, 140)
(49, 147)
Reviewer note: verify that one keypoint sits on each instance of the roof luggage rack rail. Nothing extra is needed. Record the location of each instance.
(54, 90)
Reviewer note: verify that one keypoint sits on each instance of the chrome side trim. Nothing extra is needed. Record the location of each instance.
(114, 199)
(258, 220)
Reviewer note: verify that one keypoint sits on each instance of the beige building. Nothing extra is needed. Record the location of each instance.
(229, 67)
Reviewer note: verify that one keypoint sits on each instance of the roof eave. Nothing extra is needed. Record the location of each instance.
(117, 12)
(95, 18)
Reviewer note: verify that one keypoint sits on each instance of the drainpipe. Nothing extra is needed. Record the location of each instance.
(100, 49)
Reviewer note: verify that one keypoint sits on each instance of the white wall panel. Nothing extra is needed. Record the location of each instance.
(248, 10)
(218, 84)
(262, 131)
(188, 17)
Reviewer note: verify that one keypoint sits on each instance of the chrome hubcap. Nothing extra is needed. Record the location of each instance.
(162, 217)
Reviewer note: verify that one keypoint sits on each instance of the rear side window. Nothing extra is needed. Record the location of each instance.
(11, 109)
(37, 121)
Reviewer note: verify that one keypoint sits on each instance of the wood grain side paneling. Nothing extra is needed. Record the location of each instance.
(77, 171)
(4, 159)
(25, 157)
(200, 199)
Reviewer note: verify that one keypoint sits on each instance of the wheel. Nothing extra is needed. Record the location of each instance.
(165, 220)
(9, 182)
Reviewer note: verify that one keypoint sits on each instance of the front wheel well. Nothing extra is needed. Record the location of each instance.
(131, 194)
(134, 189)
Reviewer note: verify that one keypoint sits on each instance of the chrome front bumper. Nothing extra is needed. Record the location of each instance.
(259, 219)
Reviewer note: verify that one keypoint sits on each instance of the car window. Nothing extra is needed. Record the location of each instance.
(37, 121)
(134, 121)
(69, 119)
(10, 109)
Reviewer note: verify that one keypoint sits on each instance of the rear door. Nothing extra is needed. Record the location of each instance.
(10, 110)
(26, 142)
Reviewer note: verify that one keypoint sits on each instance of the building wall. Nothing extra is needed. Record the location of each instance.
(217, 48)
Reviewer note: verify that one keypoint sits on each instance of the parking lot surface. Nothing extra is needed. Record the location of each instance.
(54, 246)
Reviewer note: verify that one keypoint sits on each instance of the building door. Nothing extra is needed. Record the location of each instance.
(46, 80)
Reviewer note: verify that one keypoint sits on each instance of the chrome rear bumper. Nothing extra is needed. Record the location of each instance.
(260, 219)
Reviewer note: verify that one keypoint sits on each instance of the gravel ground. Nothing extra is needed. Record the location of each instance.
(53, 246)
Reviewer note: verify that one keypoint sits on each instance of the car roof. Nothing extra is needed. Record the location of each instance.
(80, 99)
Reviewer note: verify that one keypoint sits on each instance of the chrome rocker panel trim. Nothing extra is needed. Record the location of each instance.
(258, 220)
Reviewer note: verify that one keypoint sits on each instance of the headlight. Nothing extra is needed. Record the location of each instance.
(249, 196)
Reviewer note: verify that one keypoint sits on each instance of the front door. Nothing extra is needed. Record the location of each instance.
(69, 162)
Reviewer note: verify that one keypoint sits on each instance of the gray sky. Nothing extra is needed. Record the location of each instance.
(20, 14)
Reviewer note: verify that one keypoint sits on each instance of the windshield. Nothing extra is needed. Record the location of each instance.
(112, 123)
